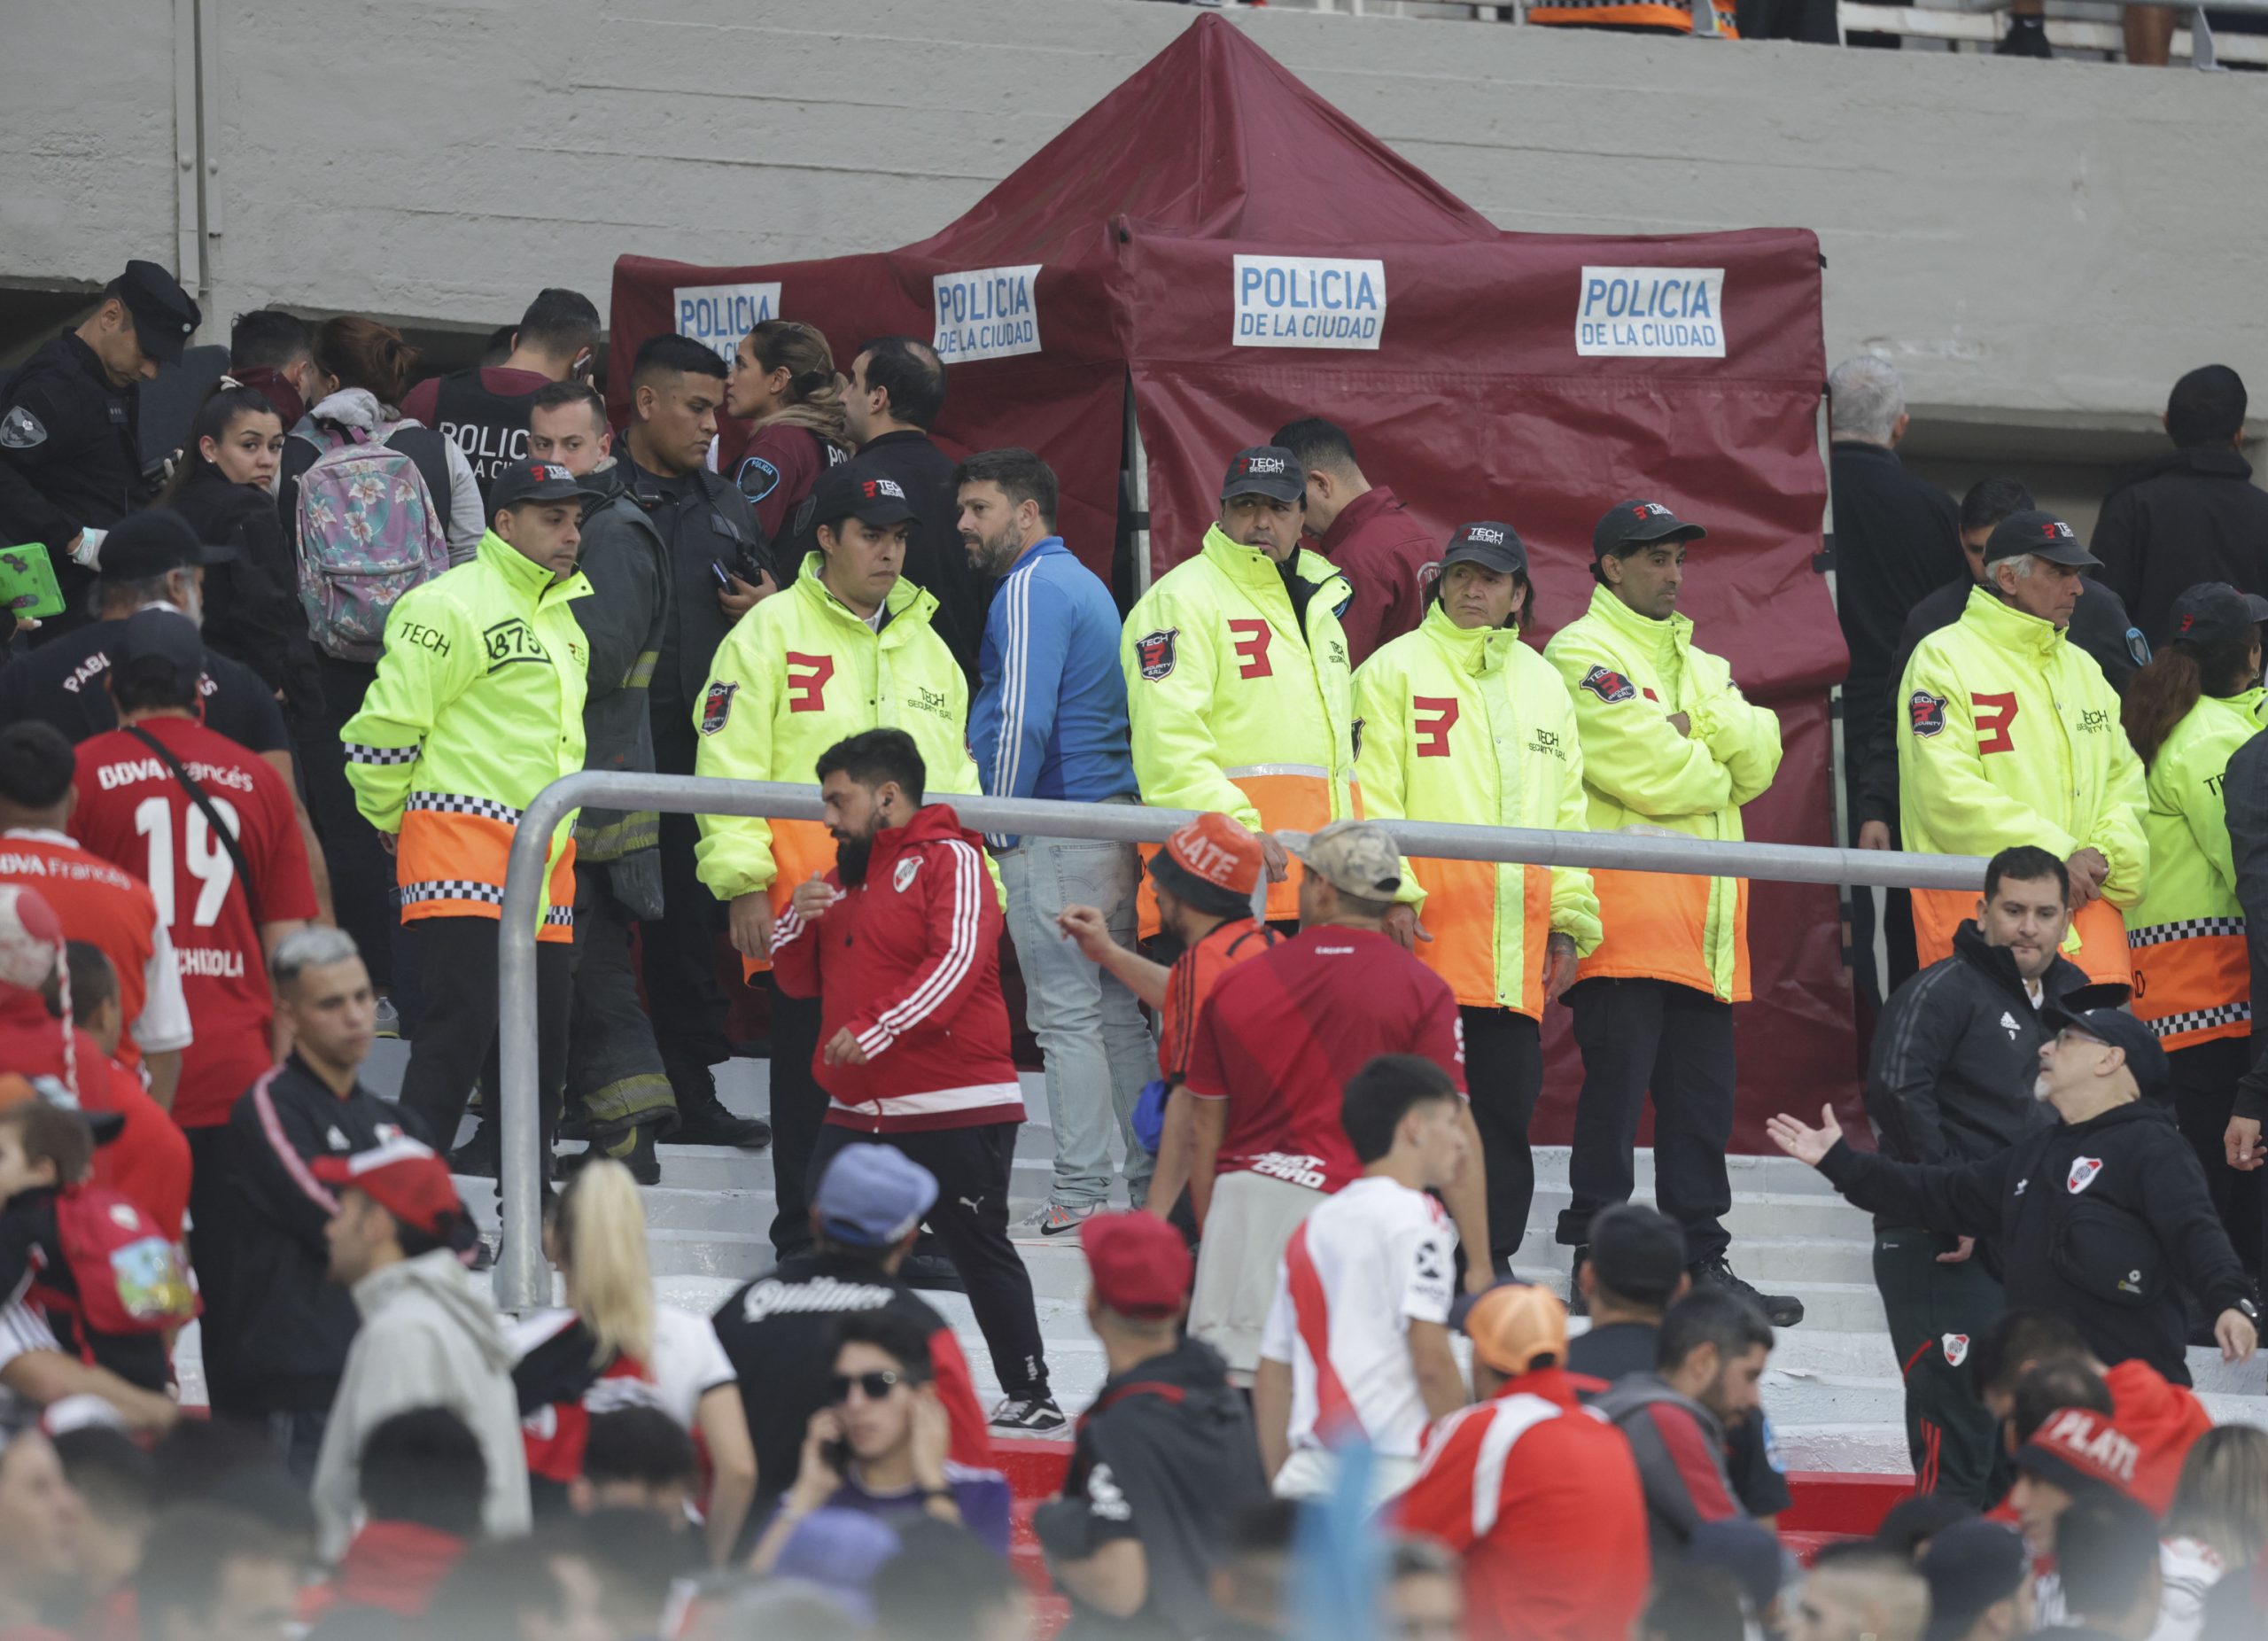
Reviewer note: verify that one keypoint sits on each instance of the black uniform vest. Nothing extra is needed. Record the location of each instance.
(492, 429)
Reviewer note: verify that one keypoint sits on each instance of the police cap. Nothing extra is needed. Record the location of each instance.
(165, 316)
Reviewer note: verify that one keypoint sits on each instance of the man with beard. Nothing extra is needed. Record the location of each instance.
(1049, 720)
(846, 646)
(901, 944)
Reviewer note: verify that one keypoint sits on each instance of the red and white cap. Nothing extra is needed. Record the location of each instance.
(408, 1179)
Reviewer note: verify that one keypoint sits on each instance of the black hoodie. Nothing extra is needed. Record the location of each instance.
(1166, 1455)
(2190, 515)
(2104, 1222)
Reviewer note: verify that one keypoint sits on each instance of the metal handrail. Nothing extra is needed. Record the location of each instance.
(522, 1280)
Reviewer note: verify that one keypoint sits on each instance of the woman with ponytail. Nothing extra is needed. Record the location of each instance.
(613, 1346)
(225, 487)
(2186, 713)
(784, 380)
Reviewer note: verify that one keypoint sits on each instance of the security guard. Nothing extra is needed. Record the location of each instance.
(476, 707)
(1237, 678)
(2187, 712)
(1668, 742)
(846, 647)
(2101, 1219)
(1461, 722)
(70, 448)
(1950, 1081)
(2011, 735)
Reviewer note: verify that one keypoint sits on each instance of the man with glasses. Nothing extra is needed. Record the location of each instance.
(2103, 1220)
(878, 1447)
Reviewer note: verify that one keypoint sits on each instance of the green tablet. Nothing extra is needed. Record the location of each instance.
(27, 583)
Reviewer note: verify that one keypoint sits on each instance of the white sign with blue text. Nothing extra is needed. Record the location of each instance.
(717, 316)
(1652, 313)
(987, 313)
(1309, 301)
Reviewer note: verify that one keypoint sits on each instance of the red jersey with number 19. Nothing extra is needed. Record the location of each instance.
(133, 812)
(1283, 1030)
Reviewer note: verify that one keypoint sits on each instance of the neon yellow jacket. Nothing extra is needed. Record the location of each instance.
(2012, 736)
(477, 707)
(2193, 979)
(1235, 704)
(1628, 674)
(1471, 727)
(796, 674)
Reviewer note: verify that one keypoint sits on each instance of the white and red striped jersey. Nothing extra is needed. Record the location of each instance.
(1359, 1269)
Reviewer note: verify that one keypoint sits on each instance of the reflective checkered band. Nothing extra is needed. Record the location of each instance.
(559, 916)
(2187, 929)
(360, 754)
(458, 804)
(450, 888)
(2201, 1019)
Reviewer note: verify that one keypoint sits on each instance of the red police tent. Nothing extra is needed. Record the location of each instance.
(1222, 249)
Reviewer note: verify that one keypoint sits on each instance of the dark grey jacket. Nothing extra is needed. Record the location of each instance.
(2244, 795)
(628, 566)
(1680, 1447)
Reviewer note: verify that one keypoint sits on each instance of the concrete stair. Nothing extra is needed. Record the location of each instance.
(1832, 1390)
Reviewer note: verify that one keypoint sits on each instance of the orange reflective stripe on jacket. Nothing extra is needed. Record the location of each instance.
(1676, 18)
(450, 857)
(1650, 919)
(1291, 797)
(2101, 955)
(799, 848)
(1461, 913)
(2185, 975)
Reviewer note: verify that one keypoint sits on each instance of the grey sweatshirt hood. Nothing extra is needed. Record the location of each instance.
(441, 1278)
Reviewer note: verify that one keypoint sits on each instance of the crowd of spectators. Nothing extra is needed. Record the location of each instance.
(345, 636)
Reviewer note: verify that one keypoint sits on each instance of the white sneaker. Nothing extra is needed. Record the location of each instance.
(1028, 1416)
(1053, 1219)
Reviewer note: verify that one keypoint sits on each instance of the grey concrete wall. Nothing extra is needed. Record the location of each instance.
(2039, 244)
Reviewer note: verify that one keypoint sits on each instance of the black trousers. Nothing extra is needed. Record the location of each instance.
(1937, 1314)
(1637, 1035)
(456, 1047)
(971, 1219)
(614, 1067)
(679, 954)
(1503, 1069)
(798, 1114)
(2203, 1093)
(361, 872)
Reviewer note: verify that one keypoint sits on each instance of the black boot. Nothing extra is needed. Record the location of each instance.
(2027, 37)
(481, 1157)
(702, 1119)
(634, 1150)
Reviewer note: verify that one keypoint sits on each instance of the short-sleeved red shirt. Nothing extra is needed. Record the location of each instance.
(1283, 1030)
(132, 812)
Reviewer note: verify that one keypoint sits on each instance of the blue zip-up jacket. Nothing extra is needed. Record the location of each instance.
(1049, 720)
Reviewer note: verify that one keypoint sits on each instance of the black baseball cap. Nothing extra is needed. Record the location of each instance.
(521, 484)
(1970, 1566)
(862, 491)
(154, 542)
(165, 316)
(2085, 1010)
(161, 633)
(2213, 610)
(1491, 545)
(1637, 522)
(2043, 533)
(1265, 469)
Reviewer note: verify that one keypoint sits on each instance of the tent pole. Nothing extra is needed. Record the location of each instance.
(1138, 466)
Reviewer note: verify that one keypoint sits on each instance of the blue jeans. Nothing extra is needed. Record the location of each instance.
(1090, 1027)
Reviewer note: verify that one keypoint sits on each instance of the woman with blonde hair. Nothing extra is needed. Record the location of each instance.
(2220, 1507)
(612, 1346)
(783, 379)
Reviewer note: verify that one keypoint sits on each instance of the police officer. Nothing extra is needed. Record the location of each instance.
(1668, 742)
(2103, 1220)
(1237, 678)
(1166, 1460)
(484, 410)
(1950, 1081)
(70, 448)
(1463, 722)
(2010, 734)
(718, 567)
(846, 647)
(477, 707)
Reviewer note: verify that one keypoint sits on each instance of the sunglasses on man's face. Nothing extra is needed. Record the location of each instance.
(874, 1387)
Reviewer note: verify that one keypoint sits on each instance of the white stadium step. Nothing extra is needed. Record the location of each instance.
(1833, 1388)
